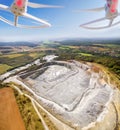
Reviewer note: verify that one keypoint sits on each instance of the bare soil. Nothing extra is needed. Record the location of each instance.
(10, 118)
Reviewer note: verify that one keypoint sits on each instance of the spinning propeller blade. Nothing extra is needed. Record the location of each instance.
(4, 7)
(35, 5)
(92, 10)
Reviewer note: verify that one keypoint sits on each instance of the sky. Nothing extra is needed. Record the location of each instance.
(65, 21)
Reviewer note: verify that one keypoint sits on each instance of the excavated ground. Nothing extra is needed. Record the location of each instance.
(77, 94)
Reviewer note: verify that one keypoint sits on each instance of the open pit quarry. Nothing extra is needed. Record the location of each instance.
(77, 94)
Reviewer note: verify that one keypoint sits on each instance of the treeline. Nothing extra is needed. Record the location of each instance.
(10, 44)
(79, 41)
(113, 63)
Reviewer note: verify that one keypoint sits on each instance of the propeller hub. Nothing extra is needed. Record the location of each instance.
(111, 15)
(19, 7)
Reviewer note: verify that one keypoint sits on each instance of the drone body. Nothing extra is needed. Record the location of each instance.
(111, 9)
(111, 12)
(19, 8)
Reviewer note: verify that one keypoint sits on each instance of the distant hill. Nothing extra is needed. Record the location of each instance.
(29, 44)
(79, 41)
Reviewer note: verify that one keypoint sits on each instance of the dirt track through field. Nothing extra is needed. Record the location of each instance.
(10, 118)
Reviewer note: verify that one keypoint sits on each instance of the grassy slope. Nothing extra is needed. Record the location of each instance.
(47, 120)
(30, 117)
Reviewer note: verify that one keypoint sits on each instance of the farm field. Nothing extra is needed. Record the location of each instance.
(10, 61)
(12, 55)
(4, 68)
(10, 118)
(86, 54)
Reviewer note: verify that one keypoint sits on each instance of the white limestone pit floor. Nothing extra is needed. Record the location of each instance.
(77, 95)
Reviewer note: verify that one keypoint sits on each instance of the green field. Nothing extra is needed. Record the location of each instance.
(64, 47)
(35, 55)
(106, 56)
(13, 55)
(85, 54)
(11, 61)
(4, 68)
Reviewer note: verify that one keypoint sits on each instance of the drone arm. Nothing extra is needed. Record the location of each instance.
(35, 5)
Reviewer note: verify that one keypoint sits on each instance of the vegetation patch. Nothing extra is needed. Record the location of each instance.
(108, 58)
(85, 54)
(13, 55)
(47, 120)
(109, 45)
(36, 55)
(4, 68)
(12, 61)
(29, 115)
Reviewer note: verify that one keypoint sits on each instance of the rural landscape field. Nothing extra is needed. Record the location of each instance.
(38, 73)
